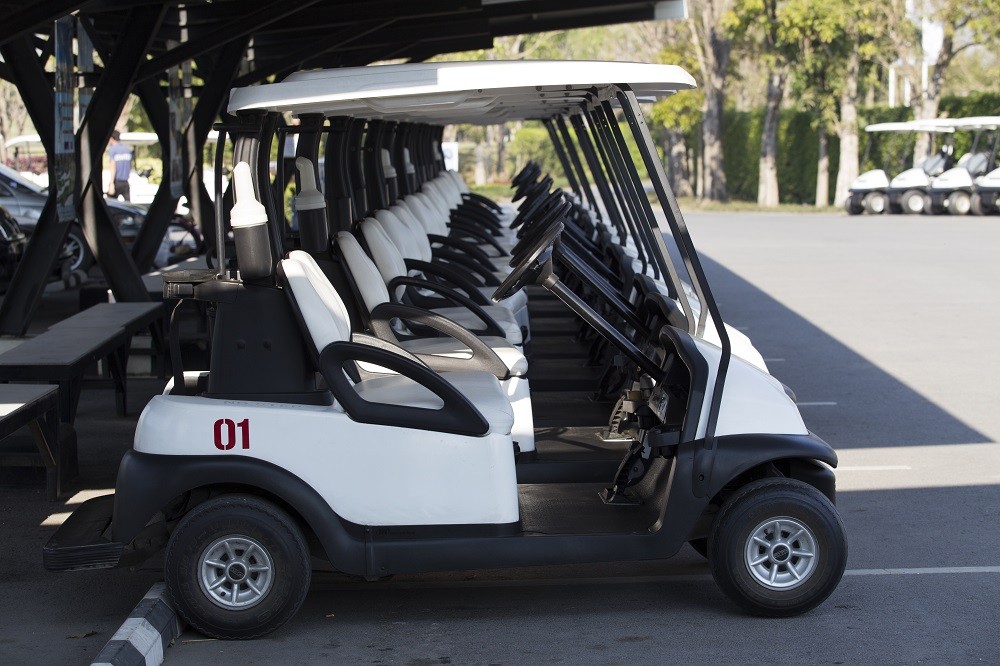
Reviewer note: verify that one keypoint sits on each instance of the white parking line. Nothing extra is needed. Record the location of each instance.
(873, 468)
(921, 571)
(774, 360)
(816, 404)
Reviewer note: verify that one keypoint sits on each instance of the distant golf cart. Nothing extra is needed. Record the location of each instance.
(873, 193)
(333, 422)
(955, 191)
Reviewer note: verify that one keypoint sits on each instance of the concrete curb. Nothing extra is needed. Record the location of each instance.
(143, 639)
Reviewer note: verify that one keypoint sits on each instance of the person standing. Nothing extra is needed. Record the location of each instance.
(120, 157)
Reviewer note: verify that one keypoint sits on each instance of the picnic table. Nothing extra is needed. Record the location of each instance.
(63, 354)
(37, 406)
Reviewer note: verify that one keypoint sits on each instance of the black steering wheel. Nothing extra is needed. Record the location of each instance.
(530, 207)
(535, 260)
(533, 193)
(530, 170)
(556, 214)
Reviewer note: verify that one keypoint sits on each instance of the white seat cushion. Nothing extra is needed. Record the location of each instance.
(503, 317)
(512, 357)
(482, 389)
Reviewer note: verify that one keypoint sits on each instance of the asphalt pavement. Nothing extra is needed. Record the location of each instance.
(885, 329)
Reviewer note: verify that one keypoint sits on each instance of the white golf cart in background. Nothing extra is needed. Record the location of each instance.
(308, 436)
(954, 191)
(872, 192)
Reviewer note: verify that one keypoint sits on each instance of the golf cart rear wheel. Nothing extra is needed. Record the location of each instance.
(853, 206)
(875, 203)
(912, 202)
(959, 203)
(777, 547)
(237, 567)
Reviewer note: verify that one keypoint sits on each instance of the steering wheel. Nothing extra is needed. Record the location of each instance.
(527, 180)
(530, 170)
(529, 208)
(556, 214)
(532, 193)
(536, 258)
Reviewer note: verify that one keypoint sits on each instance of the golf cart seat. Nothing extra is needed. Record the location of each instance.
(392, 267)
(325, 317)
(374, 293)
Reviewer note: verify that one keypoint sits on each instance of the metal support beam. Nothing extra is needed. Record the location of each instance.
(239, 28)
(32, 15)
(33, 271)
(95, 131)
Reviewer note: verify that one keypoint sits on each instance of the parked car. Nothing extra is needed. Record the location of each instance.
(24, 200)
(12, 244)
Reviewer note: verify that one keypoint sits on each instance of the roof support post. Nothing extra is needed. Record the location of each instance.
(574, 156)
(567, 167)
(25, 289)
(95, 131)
(595, 170)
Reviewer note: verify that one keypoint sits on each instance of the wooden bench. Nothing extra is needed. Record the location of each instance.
(63, 354)
(37, 406)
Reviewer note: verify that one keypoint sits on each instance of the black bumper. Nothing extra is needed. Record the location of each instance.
(79, 543)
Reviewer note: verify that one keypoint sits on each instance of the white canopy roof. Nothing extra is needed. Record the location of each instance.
(484, 92)
(912, 126)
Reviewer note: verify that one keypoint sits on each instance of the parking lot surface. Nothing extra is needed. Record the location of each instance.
(885, 329)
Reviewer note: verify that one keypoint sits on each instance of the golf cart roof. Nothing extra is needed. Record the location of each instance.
(485, 92)
(912, 126)
(977, 123)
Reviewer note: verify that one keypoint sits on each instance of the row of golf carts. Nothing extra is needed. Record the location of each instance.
(941, 183)
(376, 382)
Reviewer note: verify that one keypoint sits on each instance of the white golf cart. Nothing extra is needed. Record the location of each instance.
(307, 437)
(953, 191)
(872, 192)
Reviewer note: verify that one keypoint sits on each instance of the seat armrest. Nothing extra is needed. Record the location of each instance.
(483, 357)
(451, 278)
(491, 326)
(457, 415)
(464, 246)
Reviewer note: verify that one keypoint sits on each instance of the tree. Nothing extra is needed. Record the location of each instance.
(712, 47)
(963, 24)
(14, 119)
(758, 27)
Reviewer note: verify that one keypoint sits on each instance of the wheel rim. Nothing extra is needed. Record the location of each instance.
(961, 205)
(74, 248)
(781, 553)
(915, 203)
(877, 204)
(236, 572)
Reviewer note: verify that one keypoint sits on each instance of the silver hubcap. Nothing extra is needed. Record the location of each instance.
(236, 572)
(915, 203)
(781, 553)
(74, 250)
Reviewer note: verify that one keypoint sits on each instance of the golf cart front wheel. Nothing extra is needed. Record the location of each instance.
(959, 203)
(777, 548)
(237, 567)
(875, 203)
(912, 202)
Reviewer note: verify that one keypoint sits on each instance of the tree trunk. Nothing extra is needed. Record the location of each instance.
(675, 150)
(712, 49)
(767, 186)
(823, 170)
(930, 99)
(847, 130)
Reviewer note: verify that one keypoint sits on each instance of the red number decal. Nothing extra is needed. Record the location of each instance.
(244, 427)
(226, 441)
(229, 441)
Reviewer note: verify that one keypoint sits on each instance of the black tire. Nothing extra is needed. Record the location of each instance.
(875, 203)
(853, 207)
(231, 518)
(976, 205)
(959, 203)
(750, 511)
(912, 202)
(700, 546)
(76, 255)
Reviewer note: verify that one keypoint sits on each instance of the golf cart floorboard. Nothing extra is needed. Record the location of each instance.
(569, 408)
(571, 454)
(577, 508)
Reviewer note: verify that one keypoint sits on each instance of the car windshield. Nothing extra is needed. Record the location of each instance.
(14, 177)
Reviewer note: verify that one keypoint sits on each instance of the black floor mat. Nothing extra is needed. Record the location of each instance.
(577, 508)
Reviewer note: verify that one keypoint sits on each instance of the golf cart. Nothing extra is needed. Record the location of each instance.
(307, 437)
(952, 192)
(986, 197)
(873, 193)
